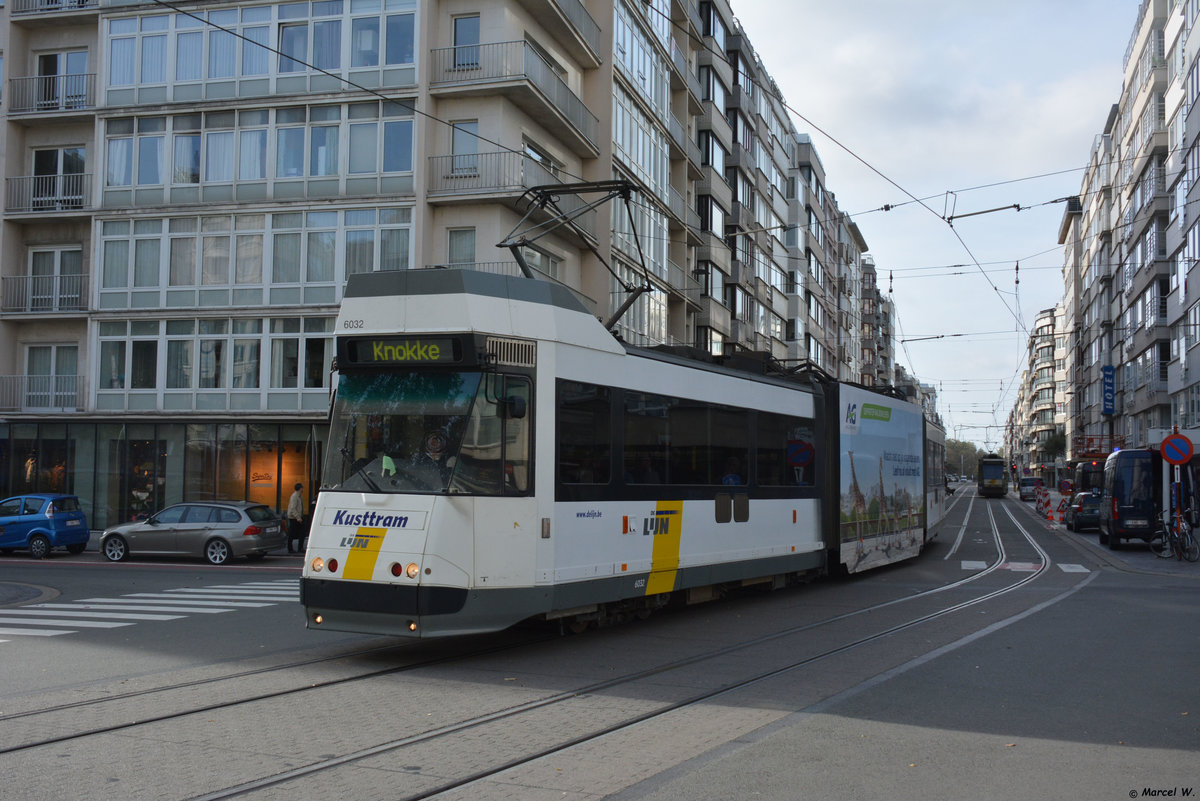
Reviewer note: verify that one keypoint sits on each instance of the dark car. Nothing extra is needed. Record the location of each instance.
(1132, 496)
(1083, 511)
(41, 521)
(215, 530)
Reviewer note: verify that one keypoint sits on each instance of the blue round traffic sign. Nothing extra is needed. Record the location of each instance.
(800, 453)
(1176, 449)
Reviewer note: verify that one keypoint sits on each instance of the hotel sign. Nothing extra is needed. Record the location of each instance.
(1109, 383)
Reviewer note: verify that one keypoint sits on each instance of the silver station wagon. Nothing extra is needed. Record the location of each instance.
(215, 530)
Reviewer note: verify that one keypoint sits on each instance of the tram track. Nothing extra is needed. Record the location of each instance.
(109, 702)
(552, 703)
(506, 716)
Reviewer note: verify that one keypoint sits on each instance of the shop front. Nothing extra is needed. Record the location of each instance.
(125, 470)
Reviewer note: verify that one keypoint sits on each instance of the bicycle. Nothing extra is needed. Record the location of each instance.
(1176, 539)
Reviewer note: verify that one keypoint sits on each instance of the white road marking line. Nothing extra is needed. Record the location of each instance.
(36, 632)
(69, 611)
(87, 624)
(240, 594)
(197, 601)
(115, 603)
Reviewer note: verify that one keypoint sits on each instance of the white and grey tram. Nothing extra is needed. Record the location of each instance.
(495, 455)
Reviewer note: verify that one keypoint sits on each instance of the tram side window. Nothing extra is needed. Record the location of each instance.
(584, 433)
(786, 452)
(675, 441)
(494, 458)
(516, 439)
(647, 438)
(728, 438)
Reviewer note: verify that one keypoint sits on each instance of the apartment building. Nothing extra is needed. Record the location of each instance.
(1130, 241)
(187, 191)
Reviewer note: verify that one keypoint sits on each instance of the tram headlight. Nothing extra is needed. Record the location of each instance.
(413, 570)
(318, 564)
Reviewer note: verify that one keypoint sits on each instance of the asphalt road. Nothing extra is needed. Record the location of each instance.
(1042, 667)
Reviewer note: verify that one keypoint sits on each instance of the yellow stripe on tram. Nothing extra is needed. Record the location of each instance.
(664, 560)
(364, 553)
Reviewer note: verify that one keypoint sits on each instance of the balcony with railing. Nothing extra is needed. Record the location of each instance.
(684, 146)
(44, 294)
(24, 8)
(48, 193)
(685, 283)
(518, 72)
(40, 393)
(683, 215)
(57, 95)
(503, 176)
(571, 25)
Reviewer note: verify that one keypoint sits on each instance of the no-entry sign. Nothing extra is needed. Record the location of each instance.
(1176, 449)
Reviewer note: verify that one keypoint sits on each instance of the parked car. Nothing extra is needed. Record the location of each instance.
(1132, 496)
(1028, 488)
(215, 530)
(1083, 511)
(41, 521)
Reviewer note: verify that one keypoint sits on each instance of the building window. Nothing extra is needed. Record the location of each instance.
(302, 142)
(246, 250)
(235, 42)
(461, 246)
(56, 280)
(466, 42)
(51, 376)
(542, 262)
(464, 147)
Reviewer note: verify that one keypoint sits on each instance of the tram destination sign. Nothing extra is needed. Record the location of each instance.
(404, 350)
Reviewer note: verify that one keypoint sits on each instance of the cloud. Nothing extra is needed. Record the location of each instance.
(941, 95)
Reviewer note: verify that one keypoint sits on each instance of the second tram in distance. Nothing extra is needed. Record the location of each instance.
(992, 476)
(495, 455)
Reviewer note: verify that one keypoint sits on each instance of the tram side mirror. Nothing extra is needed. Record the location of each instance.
(513, 407)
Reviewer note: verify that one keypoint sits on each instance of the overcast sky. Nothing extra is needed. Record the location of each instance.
(943, 96)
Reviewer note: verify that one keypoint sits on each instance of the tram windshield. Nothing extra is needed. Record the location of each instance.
(428, 432)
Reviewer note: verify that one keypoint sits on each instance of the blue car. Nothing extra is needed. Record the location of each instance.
(40, 521)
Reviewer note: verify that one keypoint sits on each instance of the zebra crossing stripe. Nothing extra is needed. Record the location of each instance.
(237, 596)
(125, 610)
(87, 624)
(160, 596)
(115, 603)
(1073, 569)
(34, 632)
(74, 611)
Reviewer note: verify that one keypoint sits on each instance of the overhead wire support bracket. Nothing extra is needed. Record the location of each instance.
(953, 217)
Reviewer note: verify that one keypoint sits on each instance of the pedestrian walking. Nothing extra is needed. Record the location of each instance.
(295, 519)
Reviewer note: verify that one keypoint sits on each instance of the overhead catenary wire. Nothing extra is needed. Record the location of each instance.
(420, 112)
